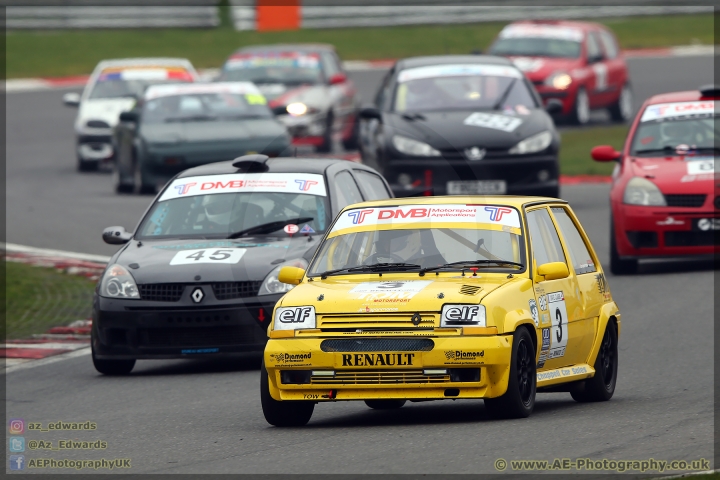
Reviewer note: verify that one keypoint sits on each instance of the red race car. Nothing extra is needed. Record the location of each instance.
(577, 63)
(664, 199)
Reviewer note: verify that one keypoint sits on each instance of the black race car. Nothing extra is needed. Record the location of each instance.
(199, 275)
(455, 124)
(306, 87)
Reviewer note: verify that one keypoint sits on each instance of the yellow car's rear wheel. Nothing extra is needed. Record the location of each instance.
(601, 386)
(384, 404)
(282, 414)
(519, 399)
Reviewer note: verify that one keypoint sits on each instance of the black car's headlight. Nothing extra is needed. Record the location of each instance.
(532, 144)
(408, 146)
(118, 283)
(271, 284)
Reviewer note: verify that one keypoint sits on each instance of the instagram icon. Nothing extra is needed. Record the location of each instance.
(17, 426)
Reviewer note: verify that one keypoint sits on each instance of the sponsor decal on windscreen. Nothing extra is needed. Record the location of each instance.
(458, 71)
(273, 59)
(489, 214)
(678, 109)
(144, 73)
(308, 183)
(541, 31)
(237, 88)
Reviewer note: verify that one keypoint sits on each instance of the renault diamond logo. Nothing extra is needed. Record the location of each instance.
(197, 295)
(416, 319)
(475, 153)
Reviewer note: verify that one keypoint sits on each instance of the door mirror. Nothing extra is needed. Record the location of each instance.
(553, 106)
(338, 78)
(129, 117)
(369, 113)
(71, 99)
(594, 59)
(291, 275)
(553, 270)
(116, 236)
(605, 153)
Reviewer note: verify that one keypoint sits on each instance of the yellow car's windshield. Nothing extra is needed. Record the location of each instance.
(417, 237)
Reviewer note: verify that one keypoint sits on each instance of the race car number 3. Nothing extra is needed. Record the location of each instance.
(208, 255)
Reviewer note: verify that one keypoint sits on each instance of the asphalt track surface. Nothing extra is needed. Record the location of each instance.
(51, 205)
(204, 416)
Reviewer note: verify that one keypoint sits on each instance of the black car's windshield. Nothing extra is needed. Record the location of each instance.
(677, 129)
(417, 237)
(461, 87)
(213, 106)
(538, 40)
(236, 205)
(131, 82)
(274, 67)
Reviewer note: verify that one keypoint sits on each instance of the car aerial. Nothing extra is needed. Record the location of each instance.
(664, 201)
(460, 124)
(306, 87)
(112, 89)
(577, 63)
(492, 297)
(174, 127)
(199, 275)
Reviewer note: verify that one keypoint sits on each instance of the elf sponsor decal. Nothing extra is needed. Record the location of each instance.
(463, 315)
(491, 214)
(678, 109)
(250, 182)
(383, 292)
(464, 357)
(493, 121)
(377, 359)
(458, 70)
(559, 319)
(534, 312)
(208, 255)
(290, 358)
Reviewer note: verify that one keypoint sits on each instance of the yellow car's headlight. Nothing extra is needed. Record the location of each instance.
(463, 316)
(294, 318)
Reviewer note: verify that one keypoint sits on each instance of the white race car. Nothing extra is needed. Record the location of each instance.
(112, 89)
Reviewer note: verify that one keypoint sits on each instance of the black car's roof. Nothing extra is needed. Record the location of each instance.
(275, 165)
(451, 59)
(288, 47)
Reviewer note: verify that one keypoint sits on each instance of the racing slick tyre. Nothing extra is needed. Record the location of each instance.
(601, 387)
(352, 142)
(326, 146)
(282, 414)
(112, 367)
(581, 108)
(519, 399)
(139, 182)
(622, 110)
(87, 165)
(619, 266)
(384, 404)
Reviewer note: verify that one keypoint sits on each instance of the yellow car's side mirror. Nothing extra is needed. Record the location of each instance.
(550, 271)
(291, 275)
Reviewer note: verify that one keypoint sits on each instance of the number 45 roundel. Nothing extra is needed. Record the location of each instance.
(559, 321)
(208, 255)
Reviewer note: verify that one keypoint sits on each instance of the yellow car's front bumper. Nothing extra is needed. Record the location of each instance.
(312, 369)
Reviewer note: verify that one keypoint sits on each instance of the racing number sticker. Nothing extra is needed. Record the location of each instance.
(208, 255)
(558, 319)
(699, 167)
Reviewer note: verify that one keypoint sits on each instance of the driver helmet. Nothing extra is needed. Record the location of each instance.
(673, 133)
(218, 208)
(412, 245)
(422, 87)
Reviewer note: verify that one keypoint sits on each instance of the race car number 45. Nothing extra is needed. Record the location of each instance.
(208, 255)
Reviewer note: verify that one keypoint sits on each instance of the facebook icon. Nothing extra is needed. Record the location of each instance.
(17, 462)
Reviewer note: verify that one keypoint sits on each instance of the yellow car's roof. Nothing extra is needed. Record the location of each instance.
(517, 201)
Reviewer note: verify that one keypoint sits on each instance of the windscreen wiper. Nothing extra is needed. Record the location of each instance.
(270, 227)
(471, 263)
(505, 94)
(375, 267)
(669, 149)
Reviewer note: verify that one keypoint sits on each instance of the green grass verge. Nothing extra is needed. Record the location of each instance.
(39, 298)
(576, 145)
(76, 52)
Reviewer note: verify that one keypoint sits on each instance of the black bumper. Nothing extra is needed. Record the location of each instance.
(125, 329)
(526, 175)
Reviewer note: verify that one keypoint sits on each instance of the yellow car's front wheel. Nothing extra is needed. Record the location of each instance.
(282, 414)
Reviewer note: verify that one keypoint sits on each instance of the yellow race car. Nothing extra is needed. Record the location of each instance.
(443, 298)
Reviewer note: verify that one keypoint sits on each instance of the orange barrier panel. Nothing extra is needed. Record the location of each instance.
(277, 15)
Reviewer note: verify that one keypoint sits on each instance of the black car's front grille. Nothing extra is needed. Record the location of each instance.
(691, 239)
(642, 239)
(196, 337)
(229, 290)
(377, 345)
(161, 292)
(94, 139)
(97, 124)
(459, 153)
(685, 200)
